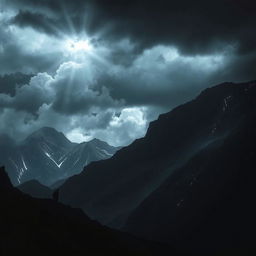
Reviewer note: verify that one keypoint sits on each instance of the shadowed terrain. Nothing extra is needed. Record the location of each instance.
(35, 189)
(189, 182)
(44, 227)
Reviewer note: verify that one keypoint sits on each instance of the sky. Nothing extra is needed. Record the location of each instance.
(105, 69)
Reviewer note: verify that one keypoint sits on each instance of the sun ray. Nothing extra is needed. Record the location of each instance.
(78, 45)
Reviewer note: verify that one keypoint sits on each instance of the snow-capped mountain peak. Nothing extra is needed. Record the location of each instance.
(48, 156)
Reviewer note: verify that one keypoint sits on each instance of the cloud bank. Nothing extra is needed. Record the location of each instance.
(145, 58)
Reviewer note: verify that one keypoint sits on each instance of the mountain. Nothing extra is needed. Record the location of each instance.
(32, 226)
(159, 170)
(35, 189)
(48, 156)
(208, 202)
(84, 153)
(7, 146)
(57, 184)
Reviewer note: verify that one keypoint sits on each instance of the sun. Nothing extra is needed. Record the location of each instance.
(75, 46)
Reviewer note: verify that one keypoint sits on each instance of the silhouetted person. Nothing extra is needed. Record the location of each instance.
(55, 195)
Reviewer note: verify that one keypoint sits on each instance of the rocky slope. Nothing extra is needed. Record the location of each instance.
(45, 227)
(186, 172)
(48, 156)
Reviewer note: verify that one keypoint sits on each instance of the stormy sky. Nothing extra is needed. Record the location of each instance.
(105, 69)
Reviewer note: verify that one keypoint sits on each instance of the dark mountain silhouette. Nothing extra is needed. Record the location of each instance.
(5, 183)
(7, 146)
(32, 226)
(48, 156)
(181, 145)
(57, 184)
(36, 189)
(55, 195)
(208, 203)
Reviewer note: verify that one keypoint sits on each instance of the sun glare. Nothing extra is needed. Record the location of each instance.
(79, 45)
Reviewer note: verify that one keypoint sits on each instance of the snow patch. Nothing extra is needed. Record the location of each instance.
(76, 161)
(180, 202)
(86, 162)
(20, 174)
(50, 157)
(24, 164)
(19, 171)
(103, 152)
(16, 166)
(106, 152)
(226, 101)
(214, 129)
(193, 181)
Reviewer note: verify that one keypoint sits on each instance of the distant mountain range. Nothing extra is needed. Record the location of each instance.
(48, 156)
(189, 182)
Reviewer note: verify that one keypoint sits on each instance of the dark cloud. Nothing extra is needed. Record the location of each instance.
(29, 97)
(149, 57)
(9, 83)
(13, 57)
(45, 5)
(193, 26)
(240, 68)
(77, 95)
(55, 17)
(163, 78)
(37, 21)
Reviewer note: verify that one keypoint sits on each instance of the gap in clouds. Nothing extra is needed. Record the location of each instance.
(104, 78)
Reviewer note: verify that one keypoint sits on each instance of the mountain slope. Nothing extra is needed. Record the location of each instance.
(84, 153)
(44, 227)
(35, 189)
(38, 156)
(111, 190)
(48, 156)
(208, 203)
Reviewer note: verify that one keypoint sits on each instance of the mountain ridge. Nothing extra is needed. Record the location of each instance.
(47, 227)
(207, 203)
(48, 156)
(170, 142)
(35, 189)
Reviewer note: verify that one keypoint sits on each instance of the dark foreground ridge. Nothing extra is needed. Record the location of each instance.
(190, 182)
(36, 189)
(44, 227)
